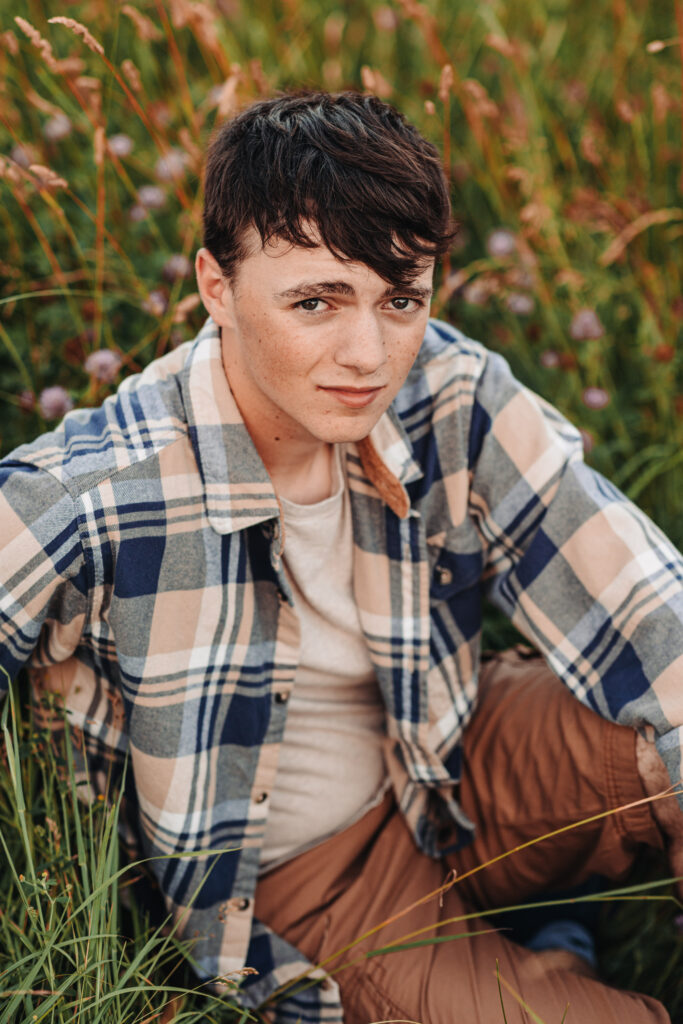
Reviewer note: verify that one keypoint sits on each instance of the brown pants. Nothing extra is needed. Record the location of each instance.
(535, 759)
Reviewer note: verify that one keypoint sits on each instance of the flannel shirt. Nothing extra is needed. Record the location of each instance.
(141, 578)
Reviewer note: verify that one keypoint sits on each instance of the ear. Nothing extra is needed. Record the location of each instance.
(214, 288)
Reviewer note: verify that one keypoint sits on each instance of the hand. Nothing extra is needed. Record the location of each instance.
(666, 812)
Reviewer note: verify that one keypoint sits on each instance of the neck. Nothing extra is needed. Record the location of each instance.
(304, 480)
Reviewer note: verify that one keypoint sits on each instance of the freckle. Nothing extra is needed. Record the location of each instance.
(276, 438)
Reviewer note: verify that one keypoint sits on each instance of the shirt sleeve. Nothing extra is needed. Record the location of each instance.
(581, 572)
(43, 592)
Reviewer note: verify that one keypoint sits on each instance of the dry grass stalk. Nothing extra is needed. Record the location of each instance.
(375, 82)
(445, 82)
(47, 178)
(99, 143)
(228, 103)
(80, 30)
(10, 42)
(145, 27)
(41, 44)
(132, 75)
(642, 223)
(184, 307)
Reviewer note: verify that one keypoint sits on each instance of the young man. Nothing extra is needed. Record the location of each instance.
(257, 570)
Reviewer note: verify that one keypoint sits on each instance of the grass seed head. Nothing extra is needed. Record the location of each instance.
(132, 75)
(144, 26)
(79, 30)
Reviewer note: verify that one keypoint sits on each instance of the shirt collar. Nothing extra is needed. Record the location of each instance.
(238, 492)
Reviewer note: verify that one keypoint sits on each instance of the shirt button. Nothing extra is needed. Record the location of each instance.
(261, 798)
(281, 697)
(239, 904)
(444, 576)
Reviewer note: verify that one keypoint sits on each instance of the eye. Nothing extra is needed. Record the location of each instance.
(310, 305)
(403, 304)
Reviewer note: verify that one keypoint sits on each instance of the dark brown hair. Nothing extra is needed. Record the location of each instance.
(346, 163)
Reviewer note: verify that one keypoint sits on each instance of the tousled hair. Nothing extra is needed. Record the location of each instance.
(347, 165)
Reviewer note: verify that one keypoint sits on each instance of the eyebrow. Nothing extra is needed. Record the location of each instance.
(311, 289)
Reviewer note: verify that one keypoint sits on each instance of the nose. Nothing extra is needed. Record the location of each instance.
(362, 346)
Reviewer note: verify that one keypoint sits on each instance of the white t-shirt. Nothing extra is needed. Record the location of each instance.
(331, 767)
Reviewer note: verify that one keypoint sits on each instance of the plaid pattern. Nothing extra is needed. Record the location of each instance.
(142, 579)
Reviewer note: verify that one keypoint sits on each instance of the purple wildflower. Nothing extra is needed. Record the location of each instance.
(171, 166)
(137, 213)
(27, 401)
(550, 359)
(595, 398)
(57, 128)
(477, 292)
(501, 243)
(23, 156)
(156, 303)
(520, 304)
(54, 402)
(120, 145)
(103, 365)
(385, 19)
(586, 325)
(177, 268)
(151, 197)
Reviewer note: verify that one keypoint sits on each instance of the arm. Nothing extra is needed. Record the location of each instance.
(580, 570)
(42, 569)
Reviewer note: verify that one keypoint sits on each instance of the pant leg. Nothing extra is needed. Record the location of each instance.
(331, 895)
(535, 760)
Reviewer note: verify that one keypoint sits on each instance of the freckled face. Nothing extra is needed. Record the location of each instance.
(316, 349)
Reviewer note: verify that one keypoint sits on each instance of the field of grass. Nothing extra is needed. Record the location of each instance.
(561, 128)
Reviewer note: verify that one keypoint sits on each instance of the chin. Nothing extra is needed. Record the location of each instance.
(346, 432)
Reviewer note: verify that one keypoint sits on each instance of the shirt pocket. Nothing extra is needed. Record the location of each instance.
(456, 563)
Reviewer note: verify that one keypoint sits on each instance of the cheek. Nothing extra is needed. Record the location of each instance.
(402, 356)
(282, 362)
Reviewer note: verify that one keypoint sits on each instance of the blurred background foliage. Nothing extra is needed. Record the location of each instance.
(560, 125)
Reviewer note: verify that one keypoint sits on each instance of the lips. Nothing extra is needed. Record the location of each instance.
(354, 398)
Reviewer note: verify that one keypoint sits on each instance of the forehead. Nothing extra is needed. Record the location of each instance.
(279, 260)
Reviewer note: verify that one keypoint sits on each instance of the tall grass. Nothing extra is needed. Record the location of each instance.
(560, 125)
(74, 947)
